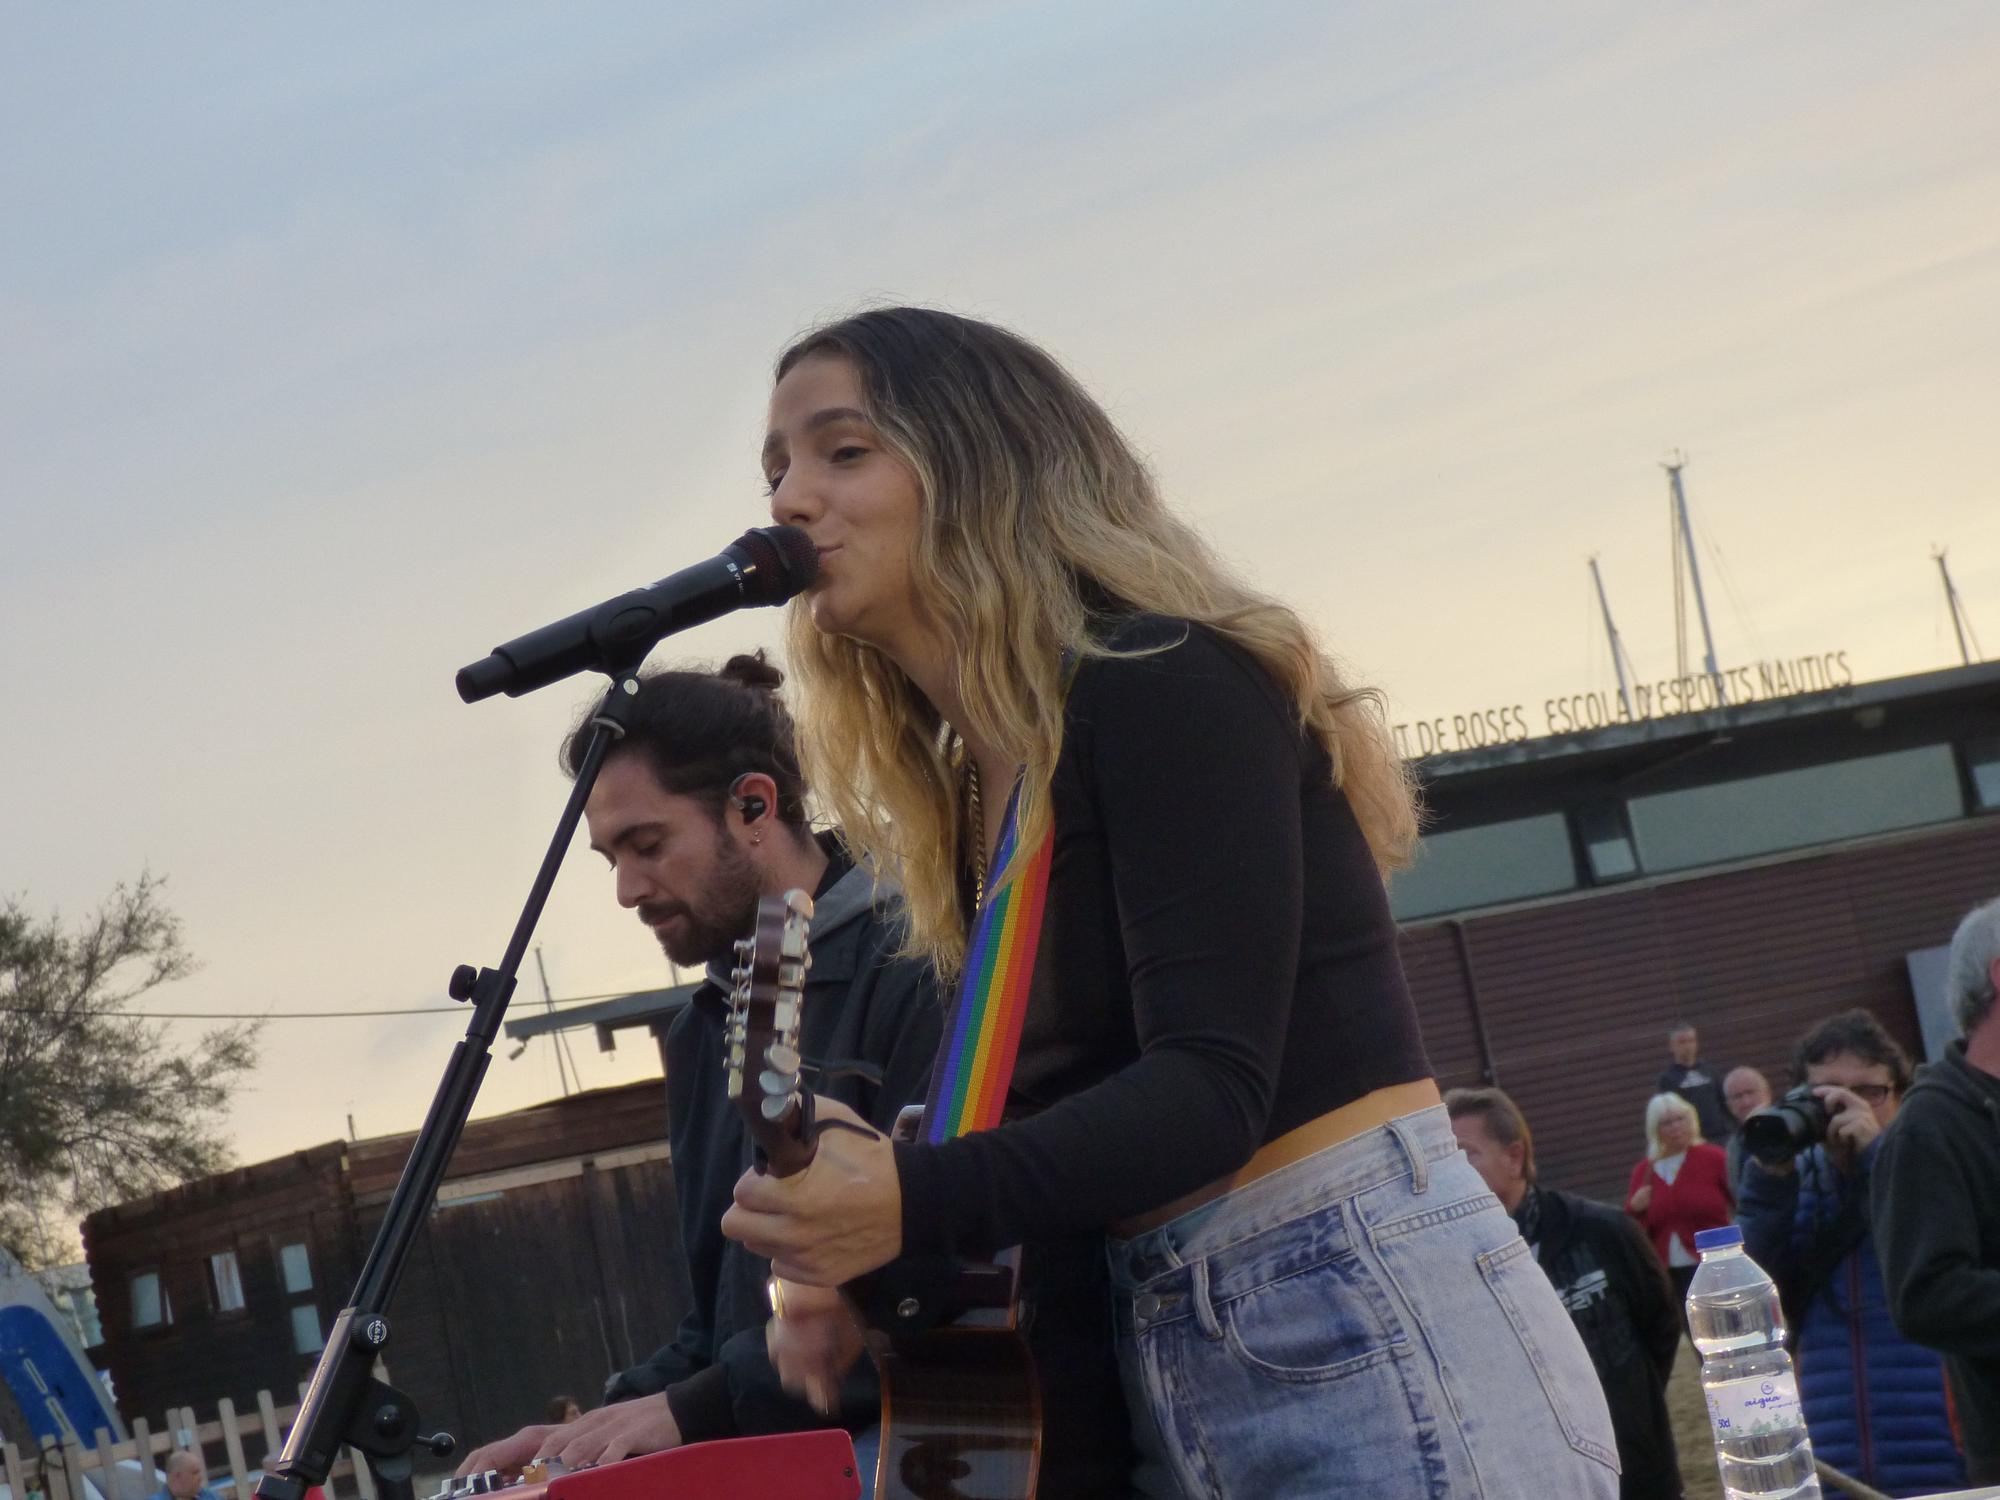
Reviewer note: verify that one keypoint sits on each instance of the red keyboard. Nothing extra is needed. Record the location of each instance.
(787, 1466)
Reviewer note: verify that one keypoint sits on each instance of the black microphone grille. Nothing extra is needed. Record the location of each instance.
(783, 562)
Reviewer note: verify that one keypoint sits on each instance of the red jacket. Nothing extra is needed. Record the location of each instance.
(1697, 1198)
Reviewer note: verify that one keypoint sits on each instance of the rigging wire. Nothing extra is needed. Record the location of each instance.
(1744, 622)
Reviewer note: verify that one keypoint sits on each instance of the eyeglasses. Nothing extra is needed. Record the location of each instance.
(1871, 1093)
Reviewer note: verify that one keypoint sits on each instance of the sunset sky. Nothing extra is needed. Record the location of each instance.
(343, 342)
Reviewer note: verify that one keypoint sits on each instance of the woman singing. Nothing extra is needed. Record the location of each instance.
(1222, 1148)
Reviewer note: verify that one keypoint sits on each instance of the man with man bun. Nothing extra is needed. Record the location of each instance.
(700, 811)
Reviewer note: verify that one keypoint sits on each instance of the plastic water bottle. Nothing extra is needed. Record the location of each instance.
(1753, 1398)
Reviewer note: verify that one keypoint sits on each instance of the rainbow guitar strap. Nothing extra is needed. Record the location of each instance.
(975, 1058)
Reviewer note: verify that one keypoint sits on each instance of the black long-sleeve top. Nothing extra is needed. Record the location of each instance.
(1217, 966)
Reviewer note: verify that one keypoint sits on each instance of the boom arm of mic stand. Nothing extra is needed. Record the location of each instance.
(344, 1403)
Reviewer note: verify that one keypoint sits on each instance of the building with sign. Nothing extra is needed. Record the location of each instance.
(1750, 868)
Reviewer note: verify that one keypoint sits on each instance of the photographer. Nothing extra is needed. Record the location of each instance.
(1874, 1402)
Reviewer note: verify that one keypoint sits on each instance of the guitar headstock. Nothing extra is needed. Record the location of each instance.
(761, 1053)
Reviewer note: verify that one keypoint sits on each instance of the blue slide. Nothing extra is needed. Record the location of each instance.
(40, 1363)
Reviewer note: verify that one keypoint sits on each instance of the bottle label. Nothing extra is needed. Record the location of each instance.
(1754, 1406)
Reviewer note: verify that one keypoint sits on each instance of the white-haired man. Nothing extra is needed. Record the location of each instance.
(1936, 1197)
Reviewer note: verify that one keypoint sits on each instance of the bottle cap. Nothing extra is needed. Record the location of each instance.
(1718, 1239)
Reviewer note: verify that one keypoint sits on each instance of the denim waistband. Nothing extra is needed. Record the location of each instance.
(1405, 1148)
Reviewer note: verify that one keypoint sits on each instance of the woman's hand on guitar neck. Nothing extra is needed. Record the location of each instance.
(838, 1219)
(813, 1340)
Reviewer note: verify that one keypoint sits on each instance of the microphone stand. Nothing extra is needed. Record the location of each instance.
(344, 1402)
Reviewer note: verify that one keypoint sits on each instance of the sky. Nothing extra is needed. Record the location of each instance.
(340, 343)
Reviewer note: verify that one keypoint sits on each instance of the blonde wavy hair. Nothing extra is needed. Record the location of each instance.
(1040, 527)
(1657, 1109)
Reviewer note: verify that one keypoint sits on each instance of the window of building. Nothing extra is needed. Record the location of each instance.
(225, 1282)
(1483, 866)
(1983, 761)
(306, 1335)
(1607, 842)
(1847, 799)
(151, 1308)
(296, 1268)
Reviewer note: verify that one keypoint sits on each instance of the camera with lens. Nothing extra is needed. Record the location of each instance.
(1780, 1131)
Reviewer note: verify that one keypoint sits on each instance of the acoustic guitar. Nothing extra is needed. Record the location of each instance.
(961, 1413)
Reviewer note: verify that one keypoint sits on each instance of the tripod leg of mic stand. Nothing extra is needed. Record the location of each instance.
(392, 1477)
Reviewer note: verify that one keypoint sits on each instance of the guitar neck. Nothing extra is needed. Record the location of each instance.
(762, 1046)
(782, 1143)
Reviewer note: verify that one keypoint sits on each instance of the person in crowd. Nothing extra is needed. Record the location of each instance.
(1036, 699)
(1679, 1188)
(1745, 1091)
(1874, 1402)
(1607, 1275)
(699, 810)
(1685, 1074)
(186, 1477)
(563, 1410)
(1936, 1196)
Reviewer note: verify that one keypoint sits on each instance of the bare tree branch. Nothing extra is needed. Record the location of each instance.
(96, 1105)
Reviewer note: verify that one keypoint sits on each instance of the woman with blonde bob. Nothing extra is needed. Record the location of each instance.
(1223, 1151)
(1681, 1187)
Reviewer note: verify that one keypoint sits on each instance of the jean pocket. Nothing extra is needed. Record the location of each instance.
(1553, 1347)
(1319, 1324)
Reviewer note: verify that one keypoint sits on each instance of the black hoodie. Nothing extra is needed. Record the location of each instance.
(1936, 1201)
(862, 1004)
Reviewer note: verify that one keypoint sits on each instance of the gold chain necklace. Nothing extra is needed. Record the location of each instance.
(977, 816)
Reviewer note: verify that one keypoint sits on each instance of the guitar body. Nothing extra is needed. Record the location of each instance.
(961, 1409)
(961, 1416)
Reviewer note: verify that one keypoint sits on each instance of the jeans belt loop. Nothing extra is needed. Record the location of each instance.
(1420, 1165)
(1204, 1310)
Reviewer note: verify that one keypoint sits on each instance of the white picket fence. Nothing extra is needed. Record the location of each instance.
(50, 1473)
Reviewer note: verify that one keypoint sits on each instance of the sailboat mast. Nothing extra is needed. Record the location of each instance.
(1694, 572)
(1611, 632)
(1952, 600)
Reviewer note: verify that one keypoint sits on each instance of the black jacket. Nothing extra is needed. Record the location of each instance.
(862, 1004)
(1617, 1293)
(1701, 1086)
(1936, 1201)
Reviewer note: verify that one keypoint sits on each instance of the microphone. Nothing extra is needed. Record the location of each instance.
(765, 566)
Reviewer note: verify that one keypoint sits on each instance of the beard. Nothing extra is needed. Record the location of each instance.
(723, 911)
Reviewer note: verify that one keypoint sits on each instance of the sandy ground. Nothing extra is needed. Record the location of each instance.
(1690, 1416)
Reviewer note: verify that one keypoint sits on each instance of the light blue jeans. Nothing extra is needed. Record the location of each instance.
(1365, 1322)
